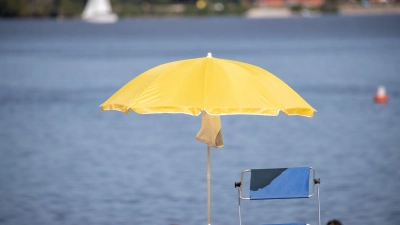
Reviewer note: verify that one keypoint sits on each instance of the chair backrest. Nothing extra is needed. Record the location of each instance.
(280, 183)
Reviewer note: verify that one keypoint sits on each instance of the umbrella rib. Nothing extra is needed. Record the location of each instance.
(159, 76)
(258, 78)
(205, 86)
(133, 98)
(139, 94)
(229, 80)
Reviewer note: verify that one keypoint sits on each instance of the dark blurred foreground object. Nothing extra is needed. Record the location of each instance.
(334, 222)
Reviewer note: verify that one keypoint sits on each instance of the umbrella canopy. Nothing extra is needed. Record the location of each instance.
(218, 86)
(210, 85)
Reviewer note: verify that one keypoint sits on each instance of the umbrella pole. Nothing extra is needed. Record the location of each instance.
(208, 187)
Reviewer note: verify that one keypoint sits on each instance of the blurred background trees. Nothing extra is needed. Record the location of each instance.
(74, 8)
(127, 8)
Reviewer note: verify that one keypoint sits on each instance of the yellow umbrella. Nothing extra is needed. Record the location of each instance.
(215, 86)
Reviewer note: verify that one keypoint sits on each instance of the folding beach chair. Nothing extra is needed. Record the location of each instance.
(280, 183)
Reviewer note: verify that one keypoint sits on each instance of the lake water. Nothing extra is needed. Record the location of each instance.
(63, 161)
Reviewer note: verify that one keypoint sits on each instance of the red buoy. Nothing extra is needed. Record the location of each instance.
(381, 96)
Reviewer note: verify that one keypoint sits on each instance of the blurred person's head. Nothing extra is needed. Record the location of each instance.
(334, 222)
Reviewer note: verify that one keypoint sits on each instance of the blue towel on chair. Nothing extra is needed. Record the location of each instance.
(279, 183)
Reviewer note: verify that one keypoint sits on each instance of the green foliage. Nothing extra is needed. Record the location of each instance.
(126, 10)
(71, 7)
(296, 8)
(10, 8)
(40, 8)
(330, 6)
(228, 9)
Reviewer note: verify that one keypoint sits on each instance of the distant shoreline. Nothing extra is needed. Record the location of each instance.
(257, 12)
(348, 10)
(372, 10)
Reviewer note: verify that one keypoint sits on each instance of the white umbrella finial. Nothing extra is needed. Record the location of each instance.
(209, 55)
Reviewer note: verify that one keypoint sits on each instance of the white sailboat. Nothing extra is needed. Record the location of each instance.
(99, 11)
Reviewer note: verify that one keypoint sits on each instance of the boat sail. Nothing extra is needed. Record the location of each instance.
(99, 11)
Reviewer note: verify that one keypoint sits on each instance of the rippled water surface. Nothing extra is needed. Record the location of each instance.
(63, 161)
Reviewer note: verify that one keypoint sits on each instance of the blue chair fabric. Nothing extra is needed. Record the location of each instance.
(280, 183)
